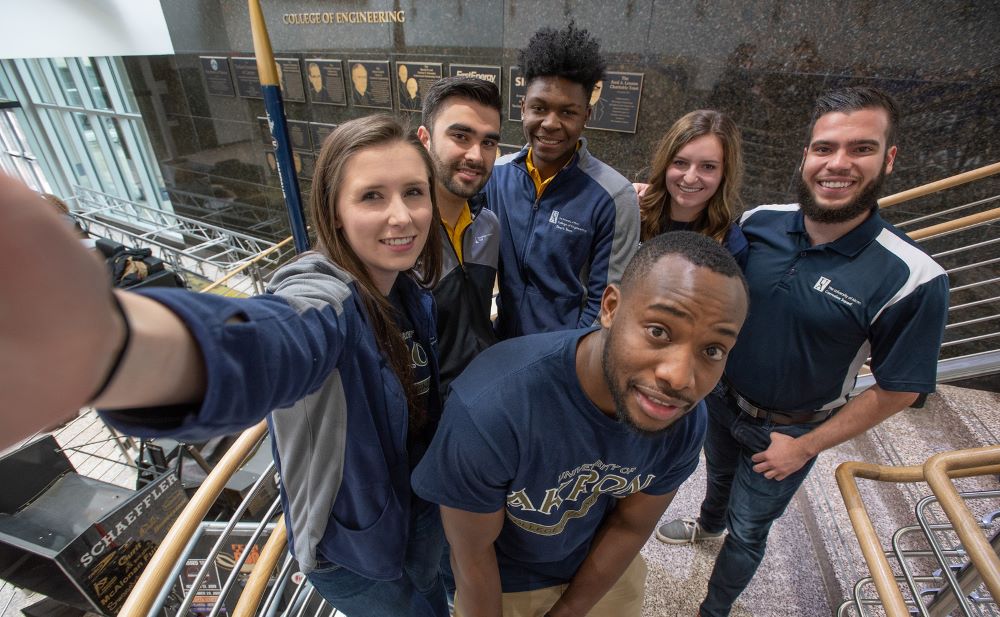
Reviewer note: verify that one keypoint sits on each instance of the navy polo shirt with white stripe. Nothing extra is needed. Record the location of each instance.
(818, 312)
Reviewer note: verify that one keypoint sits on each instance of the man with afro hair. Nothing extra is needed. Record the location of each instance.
(569, 223)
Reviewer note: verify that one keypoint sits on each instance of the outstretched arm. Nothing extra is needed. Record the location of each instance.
(59, 331)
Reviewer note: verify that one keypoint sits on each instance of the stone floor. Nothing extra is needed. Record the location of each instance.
(813, 559)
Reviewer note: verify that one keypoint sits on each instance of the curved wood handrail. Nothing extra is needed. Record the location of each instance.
(253, 591)
(256, 258)
(955, 225)
(939, 185)
(871, 548)
(938, 470)
(158, 570)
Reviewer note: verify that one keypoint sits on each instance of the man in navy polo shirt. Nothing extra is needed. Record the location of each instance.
(831, 283)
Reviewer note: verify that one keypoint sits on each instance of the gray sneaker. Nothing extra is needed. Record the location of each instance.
(684, 531)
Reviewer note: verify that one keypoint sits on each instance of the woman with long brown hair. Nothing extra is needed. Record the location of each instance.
(694, 182)
(339, 357)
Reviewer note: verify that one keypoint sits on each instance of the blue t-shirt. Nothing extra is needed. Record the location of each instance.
(519, 433)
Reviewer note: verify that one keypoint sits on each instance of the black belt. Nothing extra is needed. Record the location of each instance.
(777, 417)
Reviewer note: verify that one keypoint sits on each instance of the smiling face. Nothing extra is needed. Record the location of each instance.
(693, 177)
(667, 339)
(844, 165)
(463, 145)
(553, 113)
(384, 209)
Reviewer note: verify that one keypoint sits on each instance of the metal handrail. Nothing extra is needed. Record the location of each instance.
(937, 470)
(941, 467)
(939, 185)
(256, 584)
(158, 570)
(246, 265)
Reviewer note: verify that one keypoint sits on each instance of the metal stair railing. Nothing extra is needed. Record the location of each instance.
(188, 245)
(161, 567)
(938, 472)
(980, 566)
(228, 213)
(975, 285)
(250, 270)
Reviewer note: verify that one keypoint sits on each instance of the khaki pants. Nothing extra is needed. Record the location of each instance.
(622, 600)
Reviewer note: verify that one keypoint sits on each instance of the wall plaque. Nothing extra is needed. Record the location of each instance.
(370, 83)
(290, 78)
(413, 79)
(298, 135)
(516, 95)
(218, 80)
(247, 80)
(325, 80)
(487, 73)
(319, 133)
(614, 102)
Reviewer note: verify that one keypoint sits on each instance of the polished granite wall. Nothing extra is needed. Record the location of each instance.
(761, 61)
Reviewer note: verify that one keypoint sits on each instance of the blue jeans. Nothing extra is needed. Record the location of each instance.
(739, 498)
(418, 593)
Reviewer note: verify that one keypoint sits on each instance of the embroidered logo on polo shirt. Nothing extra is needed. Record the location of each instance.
(821, 284)
(564, 224)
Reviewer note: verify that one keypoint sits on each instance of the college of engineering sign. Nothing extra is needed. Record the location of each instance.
(344, 17)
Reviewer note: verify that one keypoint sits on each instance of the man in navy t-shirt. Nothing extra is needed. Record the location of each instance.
(558, 452)
(831, 284)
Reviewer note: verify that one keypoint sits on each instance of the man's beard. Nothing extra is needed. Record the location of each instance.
(867, 200)
(445, 173)
(618, 395)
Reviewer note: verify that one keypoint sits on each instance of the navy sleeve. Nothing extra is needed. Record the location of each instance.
(737, 245)
(471, 460)
(906, 339)
(260, 354)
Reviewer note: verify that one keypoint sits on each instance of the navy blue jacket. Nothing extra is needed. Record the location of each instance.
(559, 252)
(307, 352)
